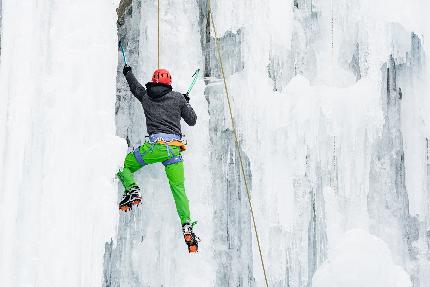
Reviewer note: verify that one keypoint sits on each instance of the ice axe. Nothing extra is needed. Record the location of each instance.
(195, 76)
(123, 53)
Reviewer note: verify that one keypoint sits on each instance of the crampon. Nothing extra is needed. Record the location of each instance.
(190, 237)
(130, 198)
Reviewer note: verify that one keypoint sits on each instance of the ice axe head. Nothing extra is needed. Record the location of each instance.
(196, 73)
(195, 76)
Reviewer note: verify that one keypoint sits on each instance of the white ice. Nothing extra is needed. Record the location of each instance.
(321, 144)
(360, 259)
(58, 149)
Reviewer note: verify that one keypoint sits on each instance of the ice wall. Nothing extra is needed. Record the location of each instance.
(150, 237)
(58, 149)
(360, 253)
(0, 25)
(331, 104)
(329, 99)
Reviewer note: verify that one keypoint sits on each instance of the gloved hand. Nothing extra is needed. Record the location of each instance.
(187, 97)
(126, 69)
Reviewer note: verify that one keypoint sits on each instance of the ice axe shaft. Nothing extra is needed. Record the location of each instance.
(123, 53)
(195, 76)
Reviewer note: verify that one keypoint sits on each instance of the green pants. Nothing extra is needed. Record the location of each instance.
(154, 153)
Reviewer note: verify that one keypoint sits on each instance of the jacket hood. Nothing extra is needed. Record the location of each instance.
(157, 90)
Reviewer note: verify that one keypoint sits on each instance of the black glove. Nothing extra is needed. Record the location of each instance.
(187, 98)
(126, 69)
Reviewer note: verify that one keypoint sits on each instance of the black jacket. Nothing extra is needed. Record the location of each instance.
(163, 107)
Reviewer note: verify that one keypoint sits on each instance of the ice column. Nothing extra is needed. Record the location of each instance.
(58, 149)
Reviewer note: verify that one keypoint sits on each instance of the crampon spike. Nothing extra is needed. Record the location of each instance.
(124, 208)
(137, 202)
(193, 249)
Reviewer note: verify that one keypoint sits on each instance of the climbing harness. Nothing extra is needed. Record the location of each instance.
(139, 156)
(172, 160)
(170, 139)
(164, 139)
(220, 62)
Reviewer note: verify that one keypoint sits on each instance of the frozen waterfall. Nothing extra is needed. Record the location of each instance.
(331, 104)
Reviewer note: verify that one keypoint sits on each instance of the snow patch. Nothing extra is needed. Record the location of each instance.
(360, 259)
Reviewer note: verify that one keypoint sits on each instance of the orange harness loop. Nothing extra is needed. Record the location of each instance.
(180, 144)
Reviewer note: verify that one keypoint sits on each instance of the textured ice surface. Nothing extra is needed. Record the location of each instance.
(0, 24)
(57, 94)
(331, 104)
(326, 97)
(150, 238)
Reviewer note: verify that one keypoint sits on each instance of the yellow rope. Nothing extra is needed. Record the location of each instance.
(236, 137)
(158, 34)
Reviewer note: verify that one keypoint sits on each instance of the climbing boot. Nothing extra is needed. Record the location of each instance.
(190, 237)
(130, 198)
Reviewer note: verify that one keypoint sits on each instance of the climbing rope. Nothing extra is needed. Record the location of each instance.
(236, 137)
(158, 34)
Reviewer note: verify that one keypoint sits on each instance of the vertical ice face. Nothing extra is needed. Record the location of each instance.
(234, 266)
(0, 24)
(330, 100)
(388, 201)
(57, 191)
(360, 253)
(326, 95)
(149, 238)
(118, 266)
(285, 62)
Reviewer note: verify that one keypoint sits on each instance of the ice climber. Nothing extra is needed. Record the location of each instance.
(163, 110)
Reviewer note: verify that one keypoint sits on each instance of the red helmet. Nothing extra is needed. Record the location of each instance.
(162, 76)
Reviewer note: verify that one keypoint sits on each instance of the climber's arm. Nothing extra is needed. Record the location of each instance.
(135, 87)
(187, 112)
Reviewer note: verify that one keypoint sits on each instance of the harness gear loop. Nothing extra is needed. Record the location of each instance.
(236, 137)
